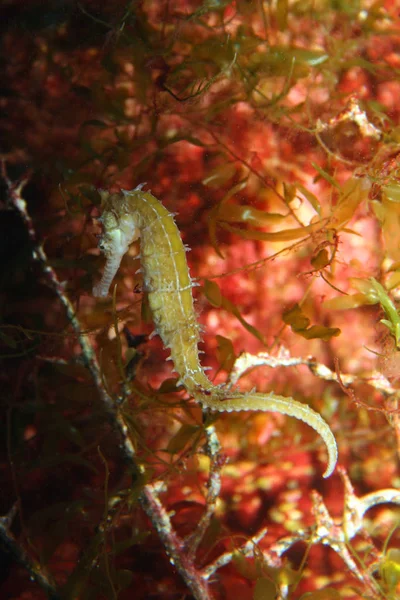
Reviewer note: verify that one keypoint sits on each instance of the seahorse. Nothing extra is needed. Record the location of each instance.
(129, 215)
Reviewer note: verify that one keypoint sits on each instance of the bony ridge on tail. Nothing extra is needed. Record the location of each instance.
(129, 215)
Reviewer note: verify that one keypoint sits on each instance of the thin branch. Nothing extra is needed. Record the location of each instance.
(174, 545)
(148, 498)
(246, 361)
(213, 449)
(12, 547)
(335, 533)
(246, 550)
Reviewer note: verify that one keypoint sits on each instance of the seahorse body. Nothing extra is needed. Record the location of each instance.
(132, 214)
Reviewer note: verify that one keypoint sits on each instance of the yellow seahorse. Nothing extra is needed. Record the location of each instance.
(129, 215)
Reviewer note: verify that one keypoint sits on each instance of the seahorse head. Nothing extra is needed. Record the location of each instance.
(120, 229)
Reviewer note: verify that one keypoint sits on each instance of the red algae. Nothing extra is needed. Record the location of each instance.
(271, 131)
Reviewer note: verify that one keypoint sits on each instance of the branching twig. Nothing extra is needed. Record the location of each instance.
(148, 498)
(213, 448)
(246, 361)
(10, 544)
(246, 550)
(335, 533)
(174, 545)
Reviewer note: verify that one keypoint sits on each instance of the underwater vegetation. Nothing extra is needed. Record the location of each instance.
(268, 135)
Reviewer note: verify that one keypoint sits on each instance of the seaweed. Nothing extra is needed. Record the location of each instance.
(271, 129)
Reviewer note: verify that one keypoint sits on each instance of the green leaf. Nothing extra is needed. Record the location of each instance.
(232, 213)
(295, 318)
(95, 123)
(351, 195)
(309, 57)
(265, 589)
(214, 215)
(169, 386)
(282, 10)
(392, 192)
(183, 437)
(212, 229)
(286, 235)
(313, 200)
(390, 568)
(73, 371)
(213, 533)
(284, 60)
(393, 321)
(321, 260)
(347, 302)
(320, 332)
(300, 325)
(326, 176)
(215, 297)
(225, 353)
(168, 141)
(220, 175)
(123, 578)
(244, 567)
(212, 293)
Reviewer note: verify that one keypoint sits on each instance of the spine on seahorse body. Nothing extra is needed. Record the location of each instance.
(131, 214)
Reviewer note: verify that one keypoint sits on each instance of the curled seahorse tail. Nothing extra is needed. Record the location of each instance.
(284, 405)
